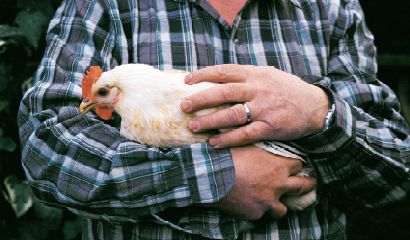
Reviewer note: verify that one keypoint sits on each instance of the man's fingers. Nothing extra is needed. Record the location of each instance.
(295, 166)
(296, 185)
(225, 118)
(240, 136)
(278, 210)
(219, 74)
(215, 96)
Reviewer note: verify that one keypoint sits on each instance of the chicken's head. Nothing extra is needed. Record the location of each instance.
(98, 93)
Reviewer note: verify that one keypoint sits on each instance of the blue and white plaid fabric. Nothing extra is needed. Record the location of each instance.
(130, 191)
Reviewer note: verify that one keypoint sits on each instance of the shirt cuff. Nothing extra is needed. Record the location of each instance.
(324, 147)
(210, 173)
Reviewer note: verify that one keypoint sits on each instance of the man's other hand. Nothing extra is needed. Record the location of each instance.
(261, 179)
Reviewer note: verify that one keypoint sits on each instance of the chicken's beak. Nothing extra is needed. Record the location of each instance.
(86, 106)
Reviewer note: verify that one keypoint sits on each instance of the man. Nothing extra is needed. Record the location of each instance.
(320, 92)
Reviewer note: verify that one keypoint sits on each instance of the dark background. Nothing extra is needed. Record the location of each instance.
(390, 23)
(22, 28)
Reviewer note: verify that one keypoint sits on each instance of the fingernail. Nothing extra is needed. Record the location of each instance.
(214, 142)
(193, 125)
(186, 105)
(188, 78)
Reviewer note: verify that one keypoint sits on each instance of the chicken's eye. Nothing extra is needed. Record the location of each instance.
(103, 92)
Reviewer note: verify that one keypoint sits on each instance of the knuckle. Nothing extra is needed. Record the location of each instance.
(228, 139)
(310, 183)
(208, 122)
(259, 215)
(198, 100)
(299, 165)
(223, 139)
(252, 91)
(271, 120)
(234, 114)
(282, 213)
(303, 186)
(280, 104)
(279, 210)
(222, 70)
(228, 92)
(246, 133)
(198, 75)
(300, 190)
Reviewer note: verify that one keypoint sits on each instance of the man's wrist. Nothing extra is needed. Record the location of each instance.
(320, 115)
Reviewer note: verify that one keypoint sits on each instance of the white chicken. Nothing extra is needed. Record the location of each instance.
(148, 101)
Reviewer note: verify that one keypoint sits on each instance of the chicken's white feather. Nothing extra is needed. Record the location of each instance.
(149, 104)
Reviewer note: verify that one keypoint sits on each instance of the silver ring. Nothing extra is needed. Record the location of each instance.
(248, 113)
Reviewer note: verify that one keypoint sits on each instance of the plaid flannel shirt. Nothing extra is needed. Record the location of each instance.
(130, 191)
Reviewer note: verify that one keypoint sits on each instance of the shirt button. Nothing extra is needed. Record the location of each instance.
(236, 42)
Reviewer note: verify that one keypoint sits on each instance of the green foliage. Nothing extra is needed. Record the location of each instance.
(36, 220)
(10, 32)
(31, 24)
(22, 43)
(18, 194)
(6, 143)
(25, 32)
(4, 77)
(73, 228)
(21, 46)
(46, 6)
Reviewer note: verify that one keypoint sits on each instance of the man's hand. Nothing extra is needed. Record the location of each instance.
(261, 179)
(282, 106)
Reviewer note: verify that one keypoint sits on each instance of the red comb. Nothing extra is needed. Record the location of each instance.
(89, 79)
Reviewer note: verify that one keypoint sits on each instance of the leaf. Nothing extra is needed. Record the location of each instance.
(27, 84)
(48, 213)
(19, 195)
(7, 144)
(73, 229)
(3, 45)
(7, 31)
(36, 5)
(4, 76)
(32, 24)
(40, 223)
(47, 218)
(3, 104)
(13, 36)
